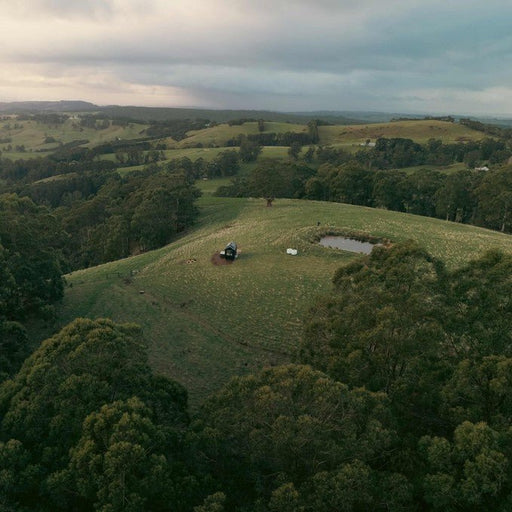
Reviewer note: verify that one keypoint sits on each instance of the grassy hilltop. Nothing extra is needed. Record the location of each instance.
(205, 323)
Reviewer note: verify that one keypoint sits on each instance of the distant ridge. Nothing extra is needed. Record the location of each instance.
(14, 107)
(147, 114)
(219, 116)
(162, 114)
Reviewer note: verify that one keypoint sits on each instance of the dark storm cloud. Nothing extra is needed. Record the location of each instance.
(276, 54)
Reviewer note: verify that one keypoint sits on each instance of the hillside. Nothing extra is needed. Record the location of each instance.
(30, 138)
(419, 131)
(206, 322)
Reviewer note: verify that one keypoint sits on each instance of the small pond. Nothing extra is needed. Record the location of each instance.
(347, 244)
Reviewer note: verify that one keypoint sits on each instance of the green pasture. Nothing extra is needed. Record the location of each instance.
(205, 323)
(220, 134)
(419, 131)
(207, 154)
(447, 169)
(33, 134)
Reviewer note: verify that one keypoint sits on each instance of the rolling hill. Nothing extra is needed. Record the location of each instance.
(28, 138)
(204, 322)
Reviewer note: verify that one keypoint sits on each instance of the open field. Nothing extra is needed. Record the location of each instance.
(205, 323)
(32, 135)
(419, 131)
(220, 134)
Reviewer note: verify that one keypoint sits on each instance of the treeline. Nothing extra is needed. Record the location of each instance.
(15, 174)
(176, 129)
(136, 213)
(398, 152)
(475, 197)
(399, 400)
(31, 280)
(263, 138)
(489, 129)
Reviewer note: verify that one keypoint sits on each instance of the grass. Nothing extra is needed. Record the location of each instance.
(419, 131)
(220, 134)
(33, 134)
(205, 323)
(447, 169)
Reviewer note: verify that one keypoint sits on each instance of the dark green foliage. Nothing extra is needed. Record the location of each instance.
(470, 473)
(30, 264)
(381, 323)
(140, 211)
(226, 163)
(249, 150)
(439, 344)
(420, 192)
(80, 437)
(177, 128)
(293, 428)
(270, 179)
(399, 153)
(480, 303)
(456, 197)
(495, 199)
(14, 347)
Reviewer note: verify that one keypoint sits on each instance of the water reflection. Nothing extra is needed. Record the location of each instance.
(347, 244)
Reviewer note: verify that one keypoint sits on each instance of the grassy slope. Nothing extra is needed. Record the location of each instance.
(221, 133)
(205, 323)
(419, 131)
(32, 135)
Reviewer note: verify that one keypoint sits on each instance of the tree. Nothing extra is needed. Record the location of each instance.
(480, 390)
(421, 190)
(380, 321)
(352, 184)
(389, 190)
(291, 424)
(30, 238)
(14, 347)
(455, 199)
(86, 366)
(120, 463)
(313, 131)
(166, 207)
(309, 154)
(226, 163)
(479, 311)
(381, 327)
(249, 150)
(495, 199)
(471, 473)
(294, 150)
(271, 179)
(212, 503)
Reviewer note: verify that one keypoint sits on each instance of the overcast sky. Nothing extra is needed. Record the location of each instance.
(426, 56)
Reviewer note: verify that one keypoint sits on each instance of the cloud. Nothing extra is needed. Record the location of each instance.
(300, 54)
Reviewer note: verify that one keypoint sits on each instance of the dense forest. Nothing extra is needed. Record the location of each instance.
(398, 400)
(398, 395)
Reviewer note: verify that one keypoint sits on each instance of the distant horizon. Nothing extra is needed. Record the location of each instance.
(431, 57)
(306, 112)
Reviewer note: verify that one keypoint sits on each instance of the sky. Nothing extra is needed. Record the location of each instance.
(410, 56)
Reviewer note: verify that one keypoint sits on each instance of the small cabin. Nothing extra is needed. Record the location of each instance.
(229, 252)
